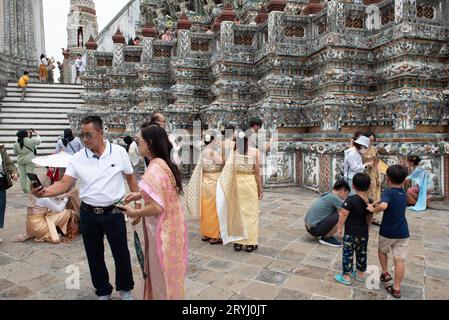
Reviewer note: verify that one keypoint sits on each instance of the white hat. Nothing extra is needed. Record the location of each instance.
(60, 160)
(363, 141)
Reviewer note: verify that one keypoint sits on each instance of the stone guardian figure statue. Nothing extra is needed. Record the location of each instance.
(373, 20)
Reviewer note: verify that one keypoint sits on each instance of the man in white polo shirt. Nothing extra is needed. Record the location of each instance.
(100, 169)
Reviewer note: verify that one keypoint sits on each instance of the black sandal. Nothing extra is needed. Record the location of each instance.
(251, 248)
(215, 241)
(205, 239)
(395, 293)
(238, 247)
(385, 277)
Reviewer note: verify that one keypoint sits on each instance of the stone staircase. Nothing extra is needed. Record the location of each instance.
(45, 109)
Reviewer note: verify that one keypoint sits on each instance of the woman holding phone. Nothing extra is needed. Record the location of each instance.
(163, 218)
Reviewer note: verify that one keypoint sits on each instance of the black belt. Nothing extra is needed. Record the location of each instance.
(97, 210)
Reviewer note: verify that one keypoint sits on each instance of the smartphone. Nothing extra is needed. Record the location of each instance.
(34, 180)
(121, 208)
(119, 204)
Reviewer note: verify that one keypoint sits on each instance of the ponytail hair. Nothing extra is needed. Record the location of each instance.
(68, 137)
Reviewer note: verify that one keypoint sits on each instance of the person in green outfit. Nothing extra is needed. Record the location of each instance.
(25, 151)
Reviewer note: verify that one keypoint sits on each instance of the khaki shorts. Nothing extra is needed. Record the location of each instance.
(398, 247)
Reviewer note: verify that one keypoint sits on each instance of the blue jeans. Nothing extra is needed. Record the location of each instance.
(349, 181)
(2, 207)
(93, 229)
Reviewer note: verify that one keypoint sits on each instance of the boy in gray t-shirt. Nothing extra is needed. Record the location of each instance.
(322, 217)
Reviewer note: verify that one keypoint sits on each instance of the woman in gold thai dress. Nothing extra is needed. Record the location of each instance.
(371, 155)
(201, 191)
(45, 216)
(239, 192)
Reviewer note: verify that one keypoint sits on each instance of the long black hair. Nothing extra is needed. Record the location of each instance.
(21, 134)
(242, 144)
(161, 147)
(68, 137)
(228, 131)
(128, 141)
(414, 159)
(368, 134)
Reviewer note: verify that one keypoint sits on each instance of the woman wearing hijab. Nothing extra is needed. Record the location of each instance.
(69, 144)
(25, 151)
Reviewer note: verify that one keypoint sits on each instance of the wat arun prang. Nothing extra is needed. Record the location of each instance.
(315, 71)
(22, 39)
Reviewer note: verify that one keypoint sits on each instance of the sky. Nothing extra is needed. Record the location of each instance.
(55, 21)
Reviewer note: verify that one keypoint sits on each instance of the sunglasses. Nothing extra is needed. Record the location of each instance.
(87, 135)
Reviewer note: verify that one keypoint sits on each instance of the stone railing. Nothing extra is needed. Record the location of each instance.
(163, 50)
(104, 59)
(201, 44)
(132, 54)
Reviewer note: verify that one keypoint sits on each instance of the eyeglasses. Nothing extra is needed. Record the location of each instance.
(86, 135)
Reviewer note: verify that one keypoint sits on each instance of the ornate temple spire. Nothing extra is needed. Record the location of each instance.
(91, 44)
(226, 15)
(118, 37)
(81, 23)
(313, 7)
(276, 5)
(149, 31)
(368, 2)
(262, 16)
(183, 22)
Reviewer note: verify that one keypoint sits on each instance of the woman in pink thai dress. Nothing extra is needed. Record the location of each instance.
(163, 219)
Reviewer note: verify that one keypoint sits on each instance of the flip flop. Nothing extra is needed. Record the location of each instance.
(238, 247)
(205, 239)
(339, 278)
(356, 277)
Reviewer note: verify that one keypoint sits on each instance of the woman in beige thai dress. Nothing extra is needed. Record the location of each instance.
(201, 191)
(45, 216)
(239, 190)
(371, 155)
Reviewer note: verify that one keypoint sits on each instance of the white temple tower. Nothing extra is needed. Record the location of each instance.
(81, 25)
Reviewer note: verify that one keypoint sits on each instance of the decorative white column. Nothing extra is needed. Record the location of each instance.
(119, 43)
(148, 33)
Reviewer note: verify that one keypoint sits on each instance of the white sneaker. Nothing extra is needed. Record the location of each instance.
(126, 295)
(108, 297)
